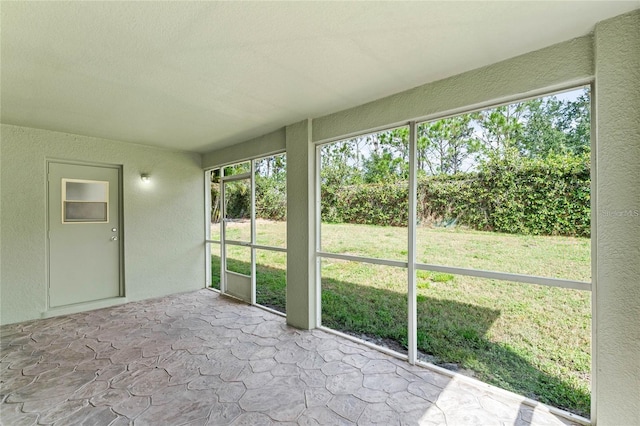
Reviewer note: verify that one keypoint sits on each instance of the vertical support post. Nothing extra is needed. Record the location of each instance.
(207, 228)
(411, 272)
(301, 222)
(318, 234)
(253, 231)
(594, 251)
(617, 272)
(223, 237)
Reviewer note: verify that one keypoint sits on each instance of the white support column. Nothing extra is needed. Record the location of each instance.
(207, 228)
(223, 237)
(301, 223)
(411, 270)
(616, 283)
(318, 235)
(253, 231)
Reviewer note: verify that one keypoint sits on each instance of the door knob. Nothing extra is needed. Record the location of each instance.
(114, 238)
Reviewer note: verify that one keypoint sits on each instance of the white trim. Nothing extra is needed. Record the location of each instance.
(237, 274)
(594, 248)
(234, 178)
(238, 243)
(318, 235)
(505, 276)
(361, 134)
(270, 248)
(412, 309)
(244, 160)
(207, 228)
(223, 234)
(252, 223)
(245, 244)
(372, 260)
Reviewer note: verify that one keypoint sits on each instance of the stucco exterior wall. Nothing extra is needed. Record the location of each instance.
(617, 241)
(163, 222)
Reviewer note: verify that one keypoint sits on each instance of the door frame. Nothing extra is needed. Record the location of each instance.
(120, 234)
(223, 243)
(225, 274)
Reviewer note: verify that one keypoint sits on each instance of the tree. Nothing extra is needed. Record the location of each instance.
(576, 123)
(271, 187)
(499, 130)
(446, 146)
(273, 167)
(383, 167)
(388, 159)
(556, 126)
(339, 164)
(536, 128)
(541, 135)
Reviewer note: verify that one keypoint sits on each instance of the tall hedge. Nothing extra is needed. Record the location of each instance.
(513, 195)
(271, 199)
(369, 204)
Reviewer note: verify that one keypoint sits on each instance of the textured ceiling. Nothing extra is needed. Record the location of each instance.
(202, 75)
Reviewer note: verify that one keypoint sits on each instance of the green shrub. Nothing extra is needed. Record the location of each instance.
(369, 204)
(271, 199)
(508, 194)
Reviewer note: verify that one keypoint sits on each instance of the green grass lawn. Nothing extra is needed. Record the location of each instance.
(533, 340)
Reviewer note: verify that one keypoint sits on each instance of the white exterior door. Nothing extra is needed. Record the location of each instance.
(84, 233)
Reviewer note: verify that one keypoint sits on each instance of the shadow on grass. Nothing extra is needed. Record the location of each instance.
(450, 334)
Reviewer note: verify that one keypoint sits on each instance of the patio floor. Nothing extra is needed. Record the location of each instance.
(202, 359)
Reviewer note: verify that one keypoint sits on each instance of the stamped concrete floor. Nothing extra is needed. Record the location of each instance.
(202, 359)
